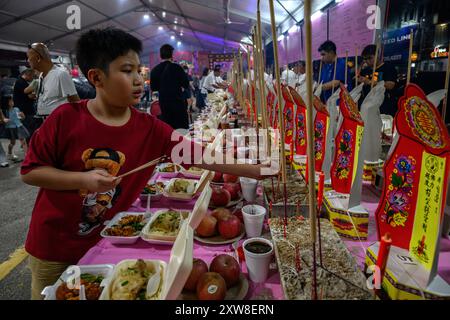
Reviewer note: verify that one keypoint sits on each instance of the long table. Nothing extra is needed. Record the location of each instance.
(105, 252)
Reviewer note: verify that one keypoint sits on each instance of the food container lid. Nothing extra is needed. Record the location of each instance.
(204, 179)
(180, 264)
(201, 207)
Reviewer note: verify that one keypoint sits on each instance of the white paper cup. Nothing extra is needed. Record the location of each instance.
(248, 187)
(258, 263)
(253, 219)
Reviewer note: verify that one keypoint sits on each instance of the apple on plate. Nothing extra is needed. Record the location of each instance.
(199, 267)
(227, 267)
(233, 189)
(220, 213)
(229, 178)
(220, 197)
(211, 286)
(230, 227)
(217, 177)
(207, 226)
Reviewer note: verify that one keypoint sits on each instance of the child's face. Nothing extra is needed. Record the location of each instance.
(123, 86)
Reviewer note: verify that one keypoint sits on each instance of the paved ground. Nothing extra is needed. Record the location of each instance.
(17, 200)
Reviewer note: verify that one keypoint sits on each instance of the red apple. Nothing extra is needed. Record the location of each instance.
(233, 189)
(229, 178)
(199, 267)
(217, 177)
(220, 197)
(207, 227)
(221, 213)
(227, 267)
(238, 213)
(211, 286)
(230, 227)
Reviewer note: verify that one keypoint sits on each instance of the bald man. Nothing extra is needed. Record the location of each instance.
(56, 86)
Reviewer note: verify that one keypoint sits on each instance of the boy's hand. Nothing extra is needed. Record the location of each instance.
(99, 181)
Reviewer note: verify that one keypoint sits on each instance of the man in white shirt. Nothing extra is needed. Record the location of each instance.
(56, 86)
(288, 77)
(213, 81)
(300, 71)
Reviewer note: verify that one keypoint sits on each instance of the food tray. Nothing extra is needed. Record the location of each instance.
(113, 221)
(147, 236)
(168, 175)
(104, 270)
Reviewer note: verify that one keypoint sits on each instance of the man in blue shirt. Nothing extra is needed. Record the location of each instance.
(327, 77)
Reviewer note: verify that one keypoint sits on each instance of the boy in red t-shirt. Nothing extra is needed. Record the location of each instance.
(83, 146)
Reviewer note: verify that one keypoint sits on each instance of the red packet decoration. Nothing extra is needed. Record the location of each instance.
(347, 144)
(270, 106)
(416, 175)
(320, 132)
(288, 115)
(300, 124)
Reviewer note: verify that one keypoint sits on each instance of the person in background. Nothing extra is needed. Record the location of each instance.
(196, 87)
(300, 72)
(386, 72)
(288, 77)
(15, 129)
(56, 86)
(202, 92)
(3, 121)
(146, 95)
(170, 80)
(189, 92)
(24, 99)
(219, 80)
(210, 84)
(330, 80)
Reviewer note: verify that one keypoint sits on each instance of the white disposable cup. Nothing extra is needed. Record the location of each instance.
(248, 187)
(258, 263)
(253, 219)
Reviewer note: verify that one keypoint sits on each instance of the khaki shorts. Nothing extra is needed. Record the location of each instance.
(44, 273)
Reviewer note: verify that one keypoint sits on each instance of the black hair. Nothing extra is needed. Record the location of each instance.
(369, 50)
(166, 51)
(185, 67)
(328, 46)
(301, 63)
(205, 71)
(97, 48)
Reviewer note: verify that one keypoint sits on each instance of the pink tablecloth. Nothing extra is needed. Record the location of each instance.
(105, 252)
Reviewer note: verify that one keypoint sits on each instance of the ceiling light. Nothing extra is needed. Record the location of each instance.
(179, 43)
(160, 28)
(281, 37)
(293, 29)
(163, 14)
(175, 21)
(172, 37)
(181, 34)
(146, 16)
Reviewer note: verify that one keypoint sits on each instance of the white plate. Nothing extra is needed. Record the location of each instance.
(218, 240)
(115, 220)
(104, 270)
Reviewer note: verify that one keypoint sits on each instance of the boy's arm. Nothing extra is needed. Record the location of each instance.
(56, 179)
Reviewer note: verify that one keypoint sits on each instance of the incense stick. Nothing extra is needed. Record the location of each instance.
(444, 104)
(356, 67)
(411, 42)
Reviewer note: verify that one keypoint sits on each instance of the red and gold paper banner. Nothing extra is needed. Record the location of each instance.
(288, 112)
(321, 122)
(347, 144)
(416, 175)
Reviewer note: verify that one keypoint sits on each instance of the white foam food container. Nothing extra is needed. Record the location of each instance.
(115, 220)
(198, 186)
(168, 175)
(148, 236)
(193, 174)
(173, 274)
(70, 274)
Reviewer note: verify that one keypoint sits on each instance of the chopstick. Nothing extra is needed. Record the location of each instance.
(144, 166)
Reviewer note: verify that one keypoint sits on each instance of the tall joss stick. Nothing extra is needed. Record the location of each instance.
(255, 72)
(334, 72)
(411, 42)
(320, 72)
(280, 112)
(372, 82)
(356, 67)
(249, 83)
(346, 66)
(241, 80)
(310, 144)
(444, 103)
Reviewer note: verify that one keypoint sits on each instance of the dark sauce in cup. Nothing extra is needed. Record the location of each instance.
(258, 247)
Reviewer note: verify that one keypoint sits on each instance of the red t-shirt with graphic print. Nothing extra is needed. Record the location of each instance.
(64, 224)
